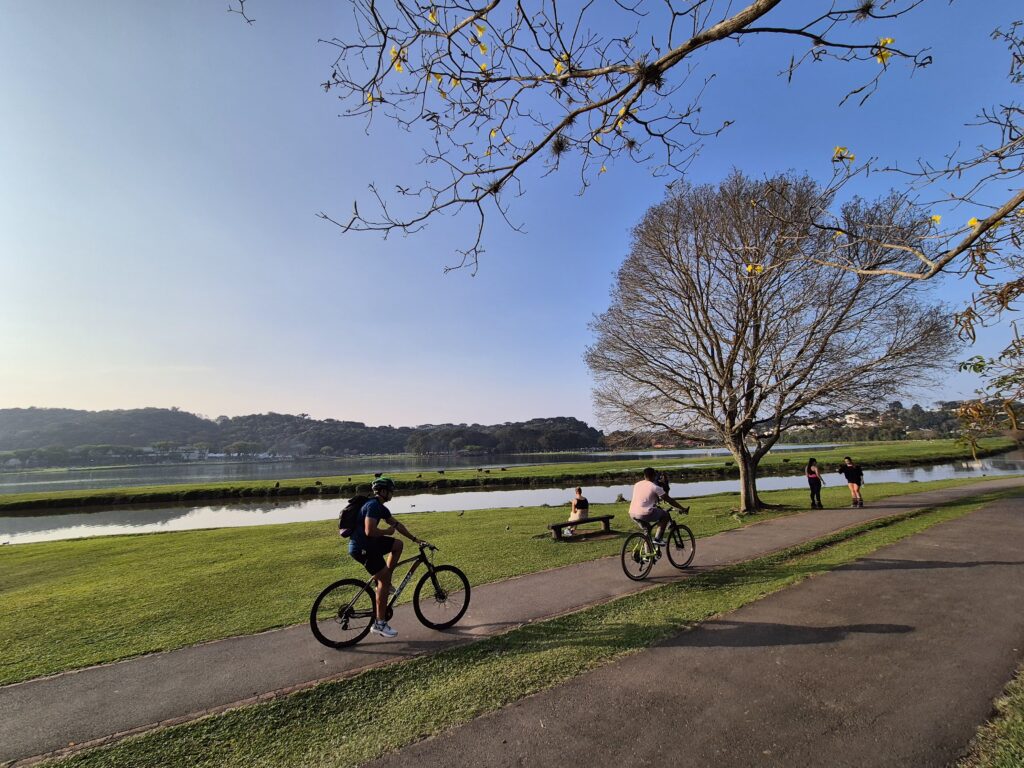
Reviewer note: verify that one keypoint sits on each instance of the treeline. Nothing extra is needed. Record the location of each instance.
(41, 437)
(894, 422)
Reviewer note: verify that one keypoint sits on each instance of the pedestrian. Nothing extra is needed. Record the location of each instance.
(579, 509)
(854, 479)
(815, 481)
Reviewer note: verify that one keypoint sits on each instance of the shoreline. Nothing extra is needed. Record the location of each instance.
(466, 479)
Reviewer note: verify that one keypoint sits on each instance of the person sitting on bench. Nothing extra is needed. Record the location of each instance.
(579, 510)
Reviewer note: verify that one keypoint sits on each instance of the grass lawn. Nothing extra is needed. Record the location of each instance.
(1000, 742)
(70, 604)
(875, 454)
(334, 724)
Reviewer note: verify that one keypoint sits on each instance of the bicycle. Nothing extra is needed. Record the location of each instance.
(640, 552)
(343, 613)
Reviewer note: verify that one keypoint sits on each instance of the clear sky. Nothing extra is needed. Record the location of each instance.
(161, 165)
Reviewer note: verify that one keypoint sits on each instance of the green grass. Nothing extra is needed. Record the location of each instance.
(877, 454)
(338, 724)
(1000, 742)
(107, 598)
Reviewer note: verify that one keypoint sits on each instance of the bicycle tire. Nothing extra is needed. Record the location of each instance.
(637, 555)
(340, 596)
(681, 547)
(444, 582)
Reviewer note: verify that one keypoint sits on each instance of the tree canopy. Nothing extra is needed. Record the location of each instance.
(722, 321)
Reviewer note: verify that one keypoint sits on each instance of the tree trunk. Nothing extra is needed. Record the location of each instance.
(750, 502)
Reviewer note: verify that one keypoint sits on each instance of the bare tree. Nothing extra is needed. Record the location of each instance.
(496, 89)
(721, 322)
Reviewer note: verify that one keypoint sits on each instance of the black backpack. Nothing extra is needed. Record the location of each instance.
(348, 520)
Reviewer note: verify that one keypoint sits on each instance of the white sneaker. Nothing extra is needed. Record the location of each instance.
(383, 629)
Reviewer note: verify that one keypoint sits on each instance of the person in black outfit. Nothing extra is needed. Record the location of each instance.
(580, 509)
(815, 481)
(854, 479)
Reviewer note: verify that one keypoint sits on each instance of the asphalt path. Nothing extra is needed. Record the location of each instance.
(51, 715)
(893, 660)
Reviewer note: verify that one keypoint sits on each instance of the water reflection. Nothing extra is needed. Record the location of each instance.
(20, 530)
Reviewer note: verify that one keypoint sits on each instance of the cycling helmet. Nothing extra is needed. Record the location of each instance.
(385, 483)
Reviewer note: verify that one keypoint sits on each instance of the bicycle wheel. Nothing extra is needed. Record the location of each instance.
(638, 556)
(342, 613)
(441, 597)
(681, 546)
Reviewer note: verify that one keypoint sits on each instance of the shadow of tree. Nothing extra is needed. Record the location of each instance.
(740, 634)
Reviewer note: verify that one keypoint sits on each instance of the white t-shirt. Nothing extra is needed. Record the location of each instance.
(645, 497)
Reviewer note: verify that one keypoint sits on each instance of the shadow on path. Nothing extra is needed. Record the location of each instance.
(736, 634)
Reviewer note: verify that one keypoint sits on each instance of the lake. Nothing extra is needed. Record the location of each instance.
(127, 520)
(39, 481)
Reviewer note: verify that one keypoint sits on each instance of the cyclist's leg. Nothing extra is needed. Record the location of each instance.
(662, 523)
(396, 553)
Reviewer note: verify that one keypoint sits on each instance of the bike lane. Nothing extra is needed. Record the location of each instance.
(893, 660)
(99, 704)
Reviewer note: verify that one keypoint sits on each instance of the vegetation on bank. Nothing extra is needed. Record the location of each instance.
(64, 437)
(682, 469)
(1000, 742)
(331, 724)
(122, 596)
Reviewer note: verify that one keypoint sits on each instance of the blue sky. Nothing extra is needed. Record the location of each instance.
(161, 165)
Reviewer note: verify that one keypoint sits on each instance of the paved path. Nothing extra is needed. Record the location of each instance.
(95, 704)
(893, 660)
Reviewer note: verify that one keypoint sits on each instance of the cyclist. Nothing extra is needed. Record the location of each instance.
(372, 545)
(643, 507)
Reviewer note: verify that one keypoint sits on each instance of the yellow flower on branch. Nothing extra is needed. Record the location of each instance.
(398, 65)
(369, 98)
(443, 94)
(558, 67)
(432, 16)
(483, 48)
(973, 223)
(437, 76)
(394, 53)
(883, 53)
(494, 132)
(936, 219)
(597, 138)
(483, 67)
(842, 155)
(480, 29)
(754, 269)
(618, 125)
(603, 169)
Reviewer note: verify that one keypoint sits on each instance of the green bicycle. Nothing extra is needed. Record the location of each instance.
(640, 551)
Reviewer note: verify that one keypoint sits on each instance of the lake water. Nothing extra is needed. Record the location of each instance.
(39, 481)
(125, 520)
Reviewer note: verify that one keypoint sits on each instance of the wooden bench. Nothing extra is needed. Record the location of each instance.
(605, 520)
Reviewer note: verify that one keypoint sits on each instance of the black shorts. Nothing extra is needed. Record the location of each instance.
(372, 555)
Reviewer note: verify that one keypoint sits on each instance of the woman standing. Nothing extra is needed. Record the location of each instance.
(814, 480)
(854, 479)
(579, 509)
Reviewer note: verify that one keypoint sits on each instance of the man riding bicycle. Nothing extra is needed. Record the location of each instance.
(373, 545)
(644, 509)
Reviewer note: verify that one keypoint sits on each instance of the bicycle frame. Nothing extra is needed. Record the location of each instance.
(419, 557)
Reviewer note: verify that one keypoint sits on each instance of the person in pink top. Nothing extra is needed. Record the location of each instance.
(643, 507)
